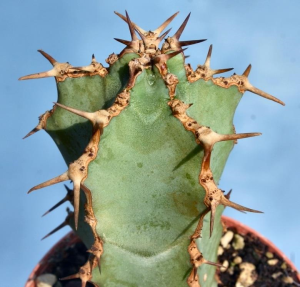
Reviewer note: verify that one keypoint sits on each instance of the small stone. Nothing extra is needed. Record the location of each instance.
(272, 262)
(46, 280)
(239, 242)
(283, 265)
(224, 266)
(247, 276)
(234, 254)
(227, 237)
(288, 280)
(269, 255)
(237, 260)
(230, 270)
(220, 250)
(276, 275)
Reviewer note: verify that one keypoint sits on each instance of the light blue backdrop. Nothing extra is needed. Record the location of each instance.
(262, 171)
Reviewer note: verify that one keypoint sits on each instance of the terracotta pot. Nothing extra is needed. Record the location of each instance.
(45, 263)
(71, 238)
(244, 229)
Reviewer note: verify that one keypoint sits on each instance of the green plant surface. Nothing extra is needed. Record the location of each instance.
(138, 163)
(71, 153)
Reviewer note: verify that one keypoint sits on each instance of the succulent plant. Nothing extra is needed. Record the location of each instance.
(146, 140)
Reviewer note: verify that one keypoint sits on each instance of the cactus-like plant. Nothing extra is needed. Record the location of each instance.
(145, 141)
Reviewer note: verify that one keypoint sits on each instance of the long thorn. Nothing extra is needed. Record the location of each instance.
(125, 19)
(76, 201)
(60, 178)
(181, 28)
(212, 218)
(55, 230)
(237, 136)
(51, 73)
(125, 42)
(68, 197)
(236, 206)
(228, 194)
(86, 115)
(33, 131)
(131, 28)
(190, 42)
(48, 57)
(140, 33)
(55, 206)
(165, 24)
(165, 57)
(74, 276)
(247, 71)
(213, 263)
(250, 88)
(219, 71)
(208, 57)
(263, 94)
(65, 223)
(163, 35)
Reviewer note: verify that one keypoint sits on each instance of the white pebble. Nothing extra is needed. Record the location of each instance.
(46, 280)
(227, 237)
(239, 242)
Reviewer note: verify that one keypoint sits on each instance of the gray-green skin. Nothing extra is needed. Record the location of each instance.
(144, 181)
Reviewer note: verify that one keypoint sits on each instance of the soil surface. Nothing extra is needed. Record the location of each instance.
(250, 263)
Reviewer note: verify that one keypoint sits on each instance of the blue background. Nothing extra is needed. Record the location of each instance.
(262, 171)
